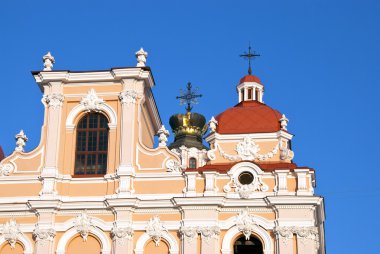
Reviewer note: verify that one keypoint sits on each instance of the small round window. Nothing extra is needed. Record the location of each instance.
(246, 178)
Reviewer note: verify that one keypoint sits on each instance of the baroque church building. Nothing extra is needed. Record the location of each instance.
(97, 183)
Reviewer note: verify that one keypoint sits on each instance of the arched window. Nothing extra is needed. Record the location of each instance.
(91, 145)
(193, 163)
(250, 246)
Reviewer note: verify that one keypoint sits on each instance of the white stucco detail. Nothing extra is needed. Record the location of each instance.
(141, 242)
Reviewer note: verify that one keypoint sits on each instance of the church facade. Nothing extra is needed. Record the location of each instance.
(97, 183)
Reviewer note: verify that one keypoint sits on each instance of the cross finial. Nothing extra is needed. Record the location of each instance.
(189, 97)
(248, 56)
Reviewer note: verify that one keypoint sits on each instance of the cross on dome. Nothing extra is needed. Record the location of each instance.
(248, 56)
(189, 97)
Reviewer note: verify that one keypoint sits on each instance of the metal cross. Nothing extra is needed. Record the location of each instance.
(189, 97)
(248, 56)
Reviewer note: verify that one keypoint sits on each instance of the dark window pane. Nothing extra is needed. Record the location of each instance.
(192, 163)
(103, 141)
(103, 122)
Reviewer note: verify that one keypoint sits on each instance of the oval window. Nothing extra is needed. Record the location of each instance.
(246, 178)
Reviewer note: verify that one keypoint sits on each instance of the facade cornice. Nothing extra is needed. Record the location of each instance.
(233, 137)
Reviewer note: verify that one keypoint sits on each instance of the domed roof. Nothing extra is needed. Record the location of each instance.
(248, 117)
(250, 78)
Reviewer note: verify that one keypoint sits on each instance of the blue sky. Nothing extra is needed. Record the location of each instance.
(319, 65)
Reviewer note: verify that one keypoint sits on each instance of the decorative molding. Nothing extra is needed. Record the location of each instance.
(304, 233)
(155, 229)
(248, 150)
(48, 61)
(54, 100)
(21, 140)
(129, 97)
(43, 235)
(6, 169)
(92, 102)
(245, 223)
(163, 135)
(173, 166)
(83, 224)
(141, 56)
(121, 234)
(189, 233)
(11, 232)
(209, 232)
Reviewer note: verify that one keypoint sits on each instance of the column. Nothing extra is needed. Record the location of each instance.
(210, 239)
(282, 181)
(189, 239)
(210, 187)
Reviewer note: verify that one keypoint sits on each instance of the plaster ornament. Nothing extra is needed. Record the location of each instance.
(163, 135)
(286, 153)
(211, 155)
(173, 166)
(141, 56)
(43, 235)
(155, 229)
(120, 234)
(245, 190)
(245, 223)
(48, 61)
(212, 124)
(284, 122)
(92, 102)
(248, 150)
(6, 169)
(83, 224)
(54, 100)
(11, 232)
(209, 232)
(303, 233)
(285, 233)
(21, 140)
(190, 233)
(129, 97)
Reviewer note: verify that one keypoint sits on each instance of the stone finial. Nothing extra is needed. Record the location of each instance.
(284, 122)
(141, 56)
(21, 140)
(163, 135)
(48, 60)
(212, 124)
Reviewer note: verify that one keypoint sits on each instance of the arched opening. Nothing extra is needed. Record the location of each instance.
(151, 248)
(193, 163)
(7, 249)
(251, 246)
(78, 245)
(91, 145)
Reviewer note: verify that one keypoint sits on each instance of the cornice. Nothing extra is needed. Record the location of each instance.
(234, 137)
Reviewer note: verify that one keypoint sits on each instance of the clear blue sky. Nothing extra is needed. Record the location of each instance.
(319, 65)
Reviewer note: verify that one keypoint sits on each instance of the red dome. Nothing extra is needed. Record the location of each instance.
(250, 78)
(248, 117)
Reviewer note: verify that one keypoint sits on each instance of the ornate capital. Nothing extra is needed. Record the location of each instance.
(189, 233)
(209, 232)
(43, 235)
(120, 234)
(54, 100)
(129, 97)
(155, 229)
(83, 224)
(6, 169)
(245, 223)
(21, 140)
(92, 102)
(302, 233)
(11, 232)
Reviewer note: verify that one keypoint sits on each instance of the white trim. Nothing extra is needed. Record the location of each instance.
(27, 245)
(173, 245)
(234, 137)
(64, 240)
(233, 232)
(80, 108)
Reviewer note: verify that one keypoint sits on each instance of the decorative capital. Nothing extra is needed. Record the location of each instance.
(212, 124)
(120, 234)
(284, 122)
(129, 97)
(48, 61)
(92, 102)
(43, 235)
(209, 232)
(245, 223)
(189, 233)
(6, 169)
(83, 224)
(141, 57)
(155, 229)
(173, 166)
(54, 100)
(163, 135)
(21, 140)
(303, 233)
(11, 232)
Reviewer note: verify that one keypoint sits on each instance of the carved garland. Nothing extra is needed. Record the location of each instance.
(248, 150)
